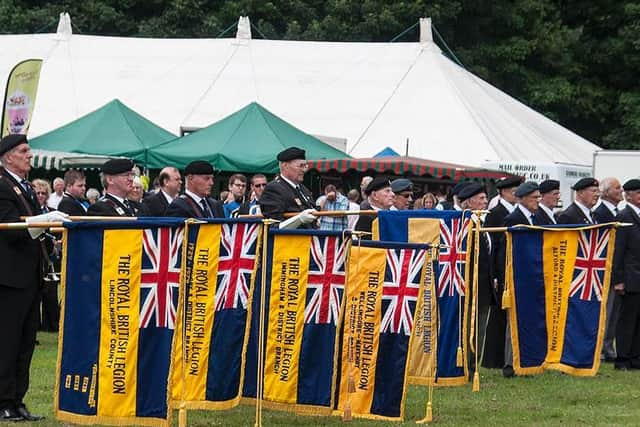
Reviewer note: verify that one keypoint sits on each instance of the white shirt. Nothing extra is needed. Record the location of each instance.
(548, 211)
(586, 211)
(351, 222)
(54, 200)
(527, 213)
(166, 196)
(507, 205)
(609, 206)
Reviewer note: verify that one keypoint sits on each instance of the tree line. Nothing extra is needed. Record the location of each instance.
(577, 62)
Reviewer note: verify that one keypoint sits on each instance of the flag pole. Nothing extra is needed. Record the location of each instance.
(474, 302)
(182, 411)
(428, 417)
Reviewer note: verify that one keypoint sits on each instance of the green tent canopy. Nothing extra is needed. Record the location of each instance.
(246, 141)
(112, 130)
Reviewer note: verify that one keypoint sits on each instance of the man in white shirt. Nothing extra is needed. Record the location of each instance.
(550, 195)
(579, 212)
(58, 193)
(170, 184)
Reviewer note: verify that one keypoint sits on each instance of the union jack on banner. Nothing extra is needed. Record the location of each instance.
(235, 265)
(400, 292)
(453, 256)
(325, 283)
(160, 276)
(590, 266)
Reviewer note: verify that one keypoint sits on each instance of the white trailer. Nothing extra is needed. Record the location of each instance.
(621, 164)
(567, 173)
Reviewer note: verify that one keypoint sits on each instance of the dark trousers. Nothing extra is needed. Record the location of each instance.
(628, 331)
(19, 319)
(50, 307)
(613, 312)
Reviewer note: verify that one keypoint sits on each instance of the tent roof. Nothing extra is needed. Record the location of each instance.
(375, 95)
(112, 130)
(246, 141)
(401, 165)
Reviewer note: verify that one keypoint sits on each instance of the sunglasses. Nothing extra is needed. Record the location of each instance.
(41, 193)
(260, 185)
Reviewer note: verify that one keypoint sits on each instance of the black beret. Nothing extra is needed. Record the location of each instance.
(401, 184)
(526, 188)
(117, 166)
(199, 167)
(585, 183)
(632, 185)
(549, 185)
(291, 153)
(459, 186)
(12, 141)
(471, 190)
(378, 183)
(509, 182)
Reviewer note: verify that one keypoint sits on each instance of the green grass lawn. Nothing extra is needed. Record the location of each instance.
(611, 398)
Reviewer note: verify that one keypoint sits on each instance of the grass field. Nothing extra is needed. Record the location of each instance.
(611, 398)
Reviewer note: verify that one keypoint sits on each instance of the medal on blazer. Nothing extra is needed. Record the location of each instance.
(119, 210)
(298, 202)
(17, 190)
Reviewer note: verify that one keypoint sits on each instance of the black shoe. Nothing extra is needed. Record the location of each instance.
(26, 415)
(621, 367)
(8, 414)
(609, 359)
(508, 372)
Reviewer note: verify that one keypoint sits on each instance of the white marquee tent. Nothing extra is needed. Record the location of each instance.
(406, 96)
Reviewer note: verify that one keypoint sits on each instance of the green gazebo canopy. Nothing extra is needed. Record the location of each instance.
(112, 130)
(246, 141)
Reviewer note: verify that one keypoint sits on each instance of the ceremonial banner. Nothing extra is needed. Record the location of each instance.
(383, 289)
(558, 280)
(450, 229)
(20, 97)
(209, 344)
(120, 285)
(303, 306)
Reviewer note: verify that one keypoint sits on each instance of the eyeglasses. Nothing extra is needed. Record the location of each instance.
(41, 193)
(239, 184)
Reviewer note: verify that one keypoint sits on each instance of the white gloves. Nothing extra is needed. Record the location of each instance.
(304, 217)
(54, 216)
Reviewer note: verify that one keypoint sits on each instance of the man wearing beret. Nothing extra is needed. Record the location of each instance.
(380, 198)
(606, 211)
(528, 197)
(494, 346)
(579, 212)
(195, 202)
(117, 180)
(474, 197)
(455, 205)
(286, 193)
(22, 268)
(403, 190)
(550, 195)
(626, 280)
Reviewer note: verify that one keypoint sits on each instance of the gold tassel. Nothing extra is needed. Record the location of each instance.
(476, 382)
(459, 357)
(347, 411)
(351, 384)
(182, 416)
(429, 416)
(506, 299)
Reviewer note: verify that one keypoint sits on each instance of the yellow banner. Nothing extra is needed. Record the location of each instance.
(290, 269)
(20, 97)
(422, 359)
(363, 296)
(119, 323)
(559, 255)
(199, 318)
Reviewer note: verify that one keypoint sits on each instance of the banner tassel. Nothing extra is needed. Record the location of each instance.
(347, 411)
(476, 381)
(428, 418)
(506, 299)
(459, 357)
(182, 416)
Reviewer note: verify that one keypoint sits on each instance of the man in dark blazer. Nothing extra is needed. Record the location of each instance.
(626, 279)
(493, 356)
(380, 198)
(474, 197)
(73, 202)
(549, 197)
(195, 202)
(286, 193)
(606, 211)
(528, 197)
(170, 184)
(117, 180)
(21, 263)
(579, 212)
